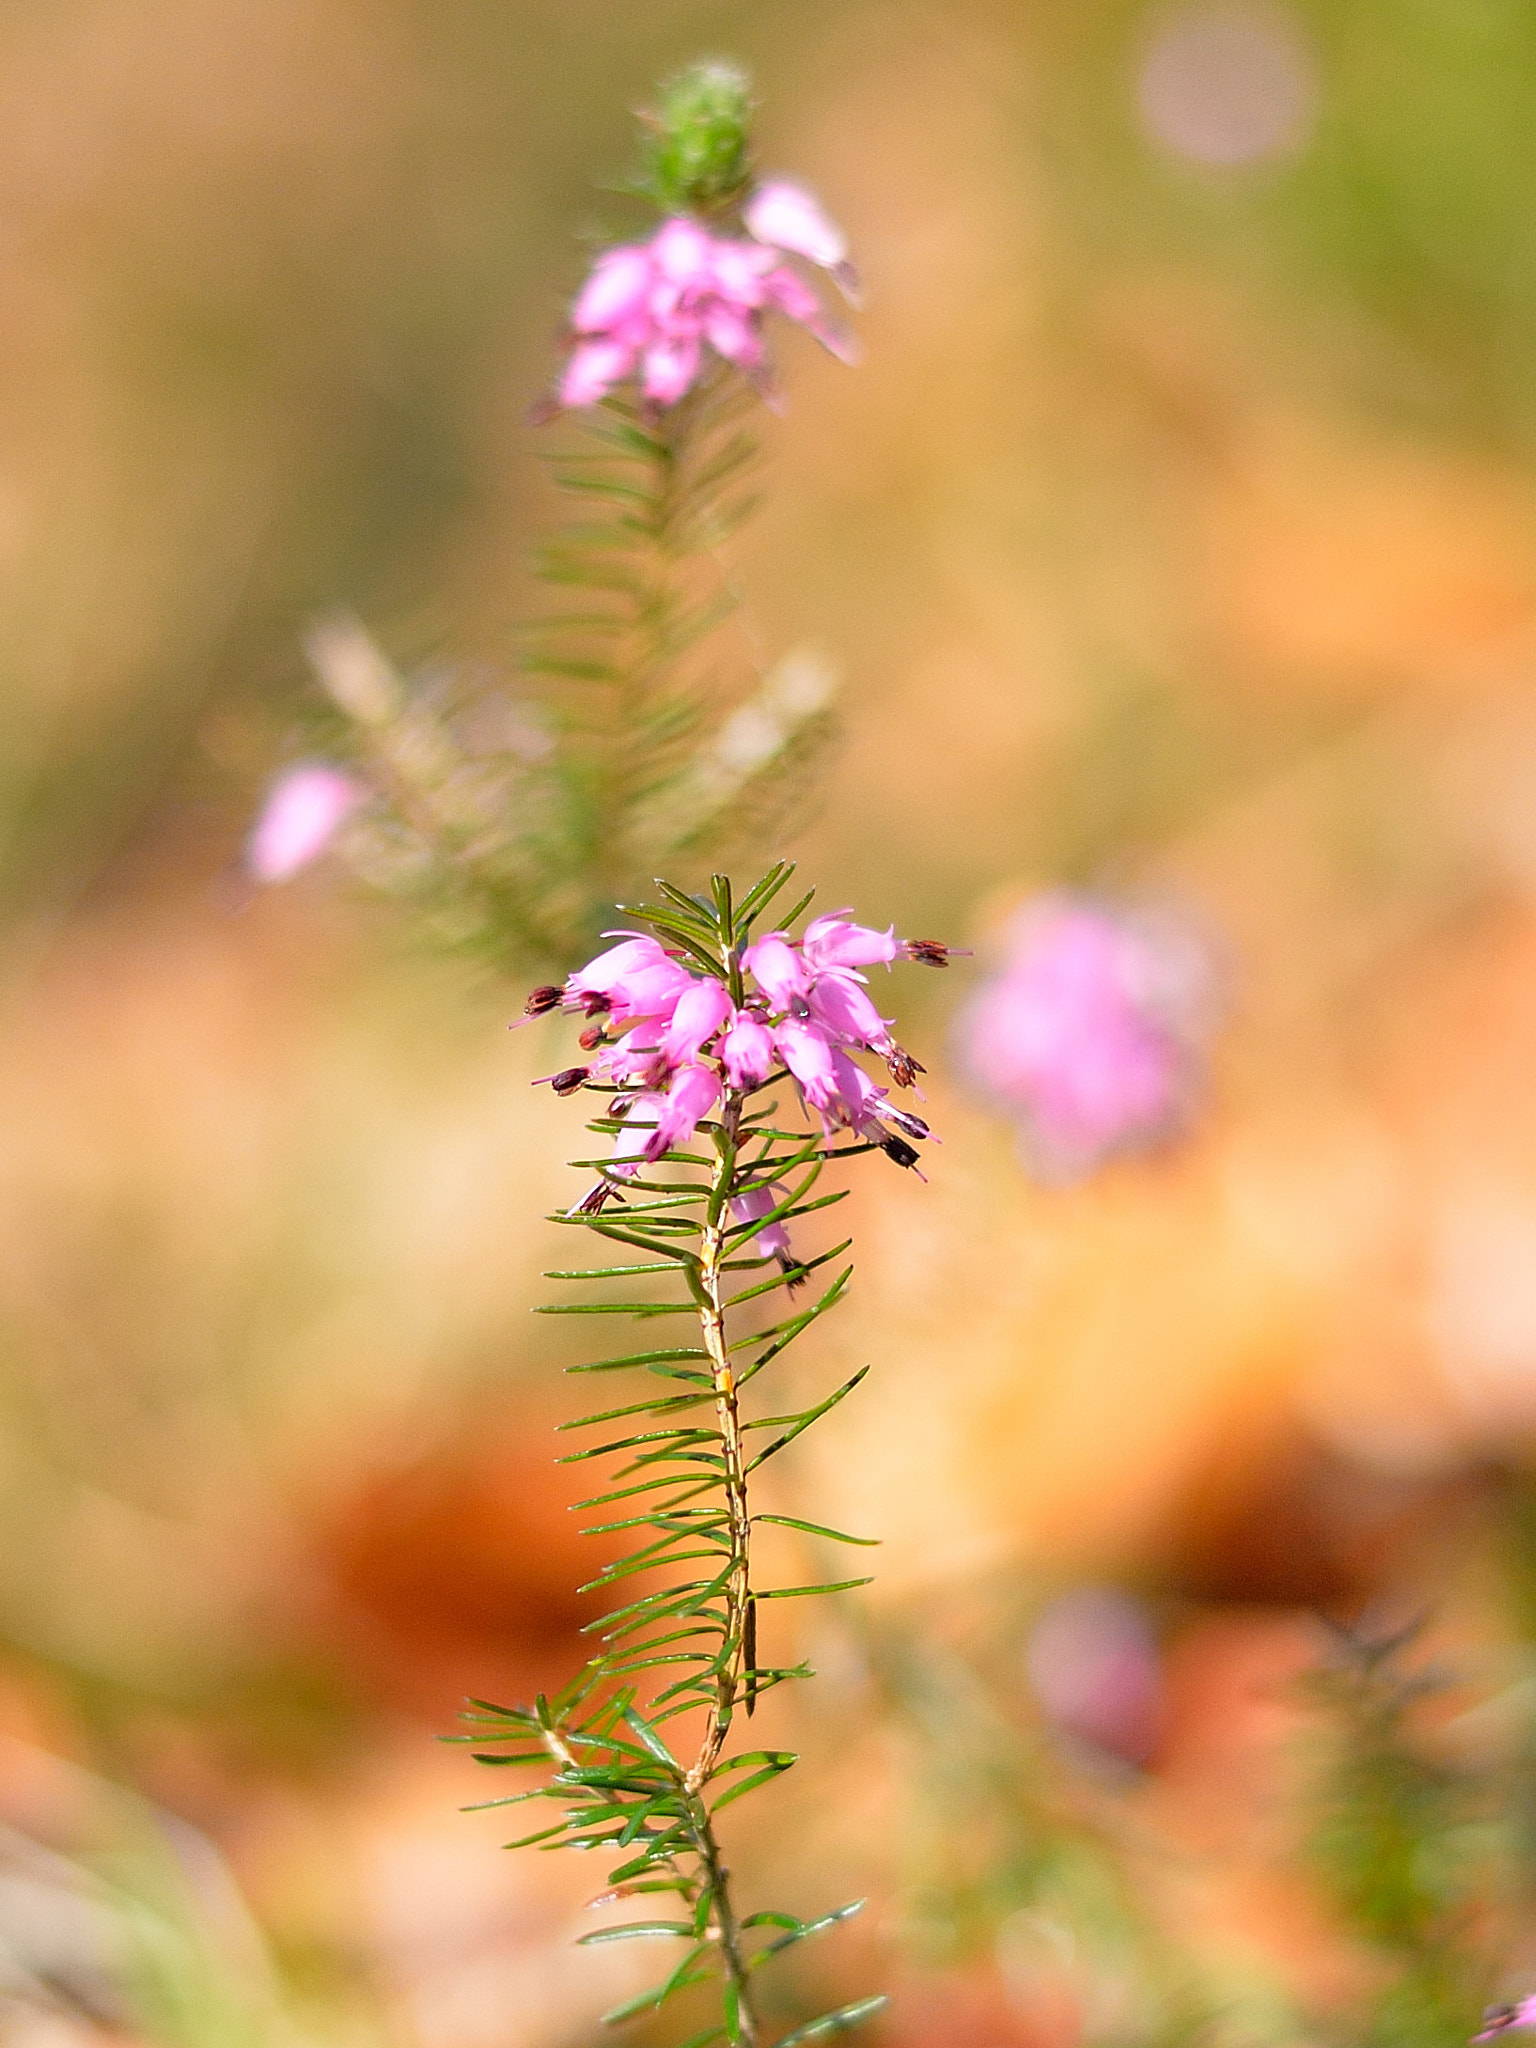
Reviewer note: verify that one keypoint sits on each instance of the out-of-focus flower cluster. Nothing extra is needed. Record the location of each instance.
(673, 1043)
(653, 308)
(1094, 1035)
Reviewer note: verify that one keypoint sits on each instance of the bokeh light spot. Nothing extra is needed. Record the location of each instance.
(1229, 84)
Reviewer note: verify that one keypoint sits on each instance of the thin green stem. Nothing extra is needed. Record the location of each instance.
(718, 1880)
(709, 1293)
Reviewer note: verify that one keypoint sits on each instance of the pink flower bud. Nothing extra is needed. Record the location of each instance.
(669, 368)
(302, 813)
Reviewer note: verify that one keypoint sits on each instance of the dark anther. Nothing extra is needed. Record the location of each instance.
(568, 1080)
(904, 1069)
(928, 952)
(542, 999)
(592, 1038)
(899, 1150)
(905, 1120)
(594, 1003)
(1498, 2016)
(594, 1198)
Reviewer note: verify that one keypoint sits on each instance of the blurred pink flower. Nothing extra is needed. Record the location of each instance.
(1092, 1659)
(650, 309)
(1501, 2019)
(303, 811)
(786, 216)
(1094, 1033)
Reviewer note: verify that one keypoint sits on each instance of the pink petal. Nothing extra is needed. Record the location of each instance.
(756, 1202)
(839, 1003)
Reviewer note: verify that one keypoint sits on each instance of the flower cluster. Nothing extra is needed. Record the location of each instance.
(652, 308)
(1094, 1033)
(675, 1043)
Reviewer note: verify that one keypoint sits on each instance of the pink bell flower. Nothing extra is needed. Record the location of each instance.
(840, 1004)
(603, 973)
(635, 1061)
(778, 970)
(701, 1010)
(835, 941)
(617, 290)
(593, 370)
(747, 1052)
(628, 1155)
(631, 980)
(810, 1056)
(693, 1093)
(786, 216)
(773, 1239)
(859, 1105)
(305, 808)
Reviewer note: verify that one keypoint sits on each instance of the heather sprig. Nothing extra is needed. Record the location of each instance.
(699, 1030)
(513, 816)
